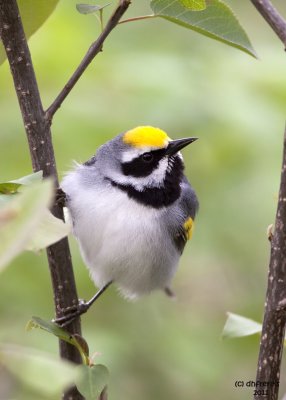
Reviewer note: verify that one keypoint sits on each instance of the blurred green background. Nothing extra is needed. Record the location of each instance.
(154, 72)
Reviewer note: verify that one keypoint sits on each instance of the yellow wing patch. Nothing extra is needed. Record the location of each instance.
(146, 136)
(189, 228)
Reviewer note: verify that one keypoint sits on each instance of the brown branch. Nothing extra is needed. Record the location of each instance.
(42, 155)
(272, 17)
(273, 331)
(94, 49)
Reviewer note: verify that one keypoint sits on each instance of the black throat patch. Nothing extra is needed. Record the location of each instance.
(158, 197)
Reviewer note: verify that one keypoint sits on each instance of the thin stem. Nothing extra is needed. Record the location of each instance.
(272, 17)
(137, 18)
(84, 356)
(94, 49)
(101, 19)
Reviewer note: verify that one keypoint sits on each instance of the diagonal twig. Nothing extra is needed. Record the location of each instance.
(272, 17)
(94, 49)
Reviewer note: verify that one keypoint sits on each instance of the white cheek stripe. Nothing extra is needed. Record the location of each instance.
(129, 155)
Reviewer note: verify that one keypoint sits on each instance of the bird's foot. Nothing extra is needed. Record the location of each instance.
(61, 197)
(72, 312)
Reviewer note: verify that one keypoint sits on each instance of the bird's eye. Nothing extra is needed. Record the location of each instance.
(147, 157)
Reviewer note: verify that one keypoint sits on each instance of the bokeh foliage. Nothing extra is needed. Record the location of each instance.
(156, 73)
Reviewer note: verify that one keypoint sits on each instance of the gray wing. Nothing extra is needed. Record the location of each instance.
(188, 205)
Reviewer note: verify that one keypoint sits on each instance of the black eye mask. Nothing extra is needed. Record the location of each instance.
(157, 197)
(143, 165)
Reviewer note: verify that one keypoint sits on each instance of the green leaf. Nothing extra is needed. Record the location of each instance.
(21, 228)
(49, 326)
(195, 5)
(49, 231)
(9, 188)
(20, 217)
(12, 187)
(89, 9)
(40, 371)
(33, 14)
(29, 179)
(238, 326)
(217, 21)
(5, 199)
(92, 380)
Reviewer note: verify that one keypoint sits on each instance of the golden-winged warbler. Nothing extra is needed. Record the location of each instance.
(132, 210)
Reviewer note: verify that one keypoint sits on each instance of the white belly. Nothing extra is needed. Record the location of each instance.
(123, 241)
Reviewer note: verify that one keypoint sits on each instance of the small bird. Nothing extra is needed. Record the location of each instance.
(132, 210)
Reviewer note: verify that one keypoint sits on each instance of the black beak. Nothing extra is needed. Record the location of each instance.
(176, 145)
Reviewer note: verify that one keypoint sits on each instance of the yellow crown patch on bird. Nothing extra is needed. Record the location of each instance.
(146, 136)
